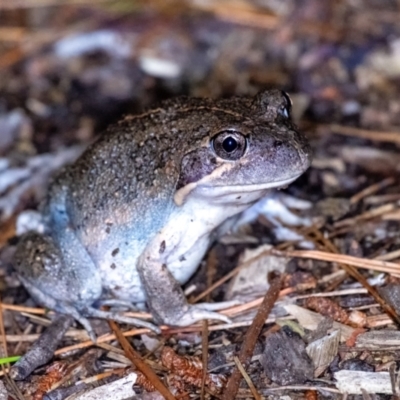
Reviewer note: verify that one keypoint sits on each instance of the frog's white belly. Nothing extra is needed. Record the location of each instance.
(121, 278)
(184, 239)
(119, 275)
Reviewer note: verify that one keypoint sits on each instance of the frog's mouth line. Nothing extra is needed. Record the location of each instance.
(251, 187)
(204, 190)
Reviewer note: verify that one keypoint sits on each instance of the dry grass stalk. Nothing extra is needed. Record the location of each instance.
(247, 378)
(374, 265)
(141, 366)
(377, 136)
(251, 336)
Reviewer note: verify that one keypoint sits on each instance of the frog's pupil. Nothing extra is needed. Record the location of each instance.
(229, 144)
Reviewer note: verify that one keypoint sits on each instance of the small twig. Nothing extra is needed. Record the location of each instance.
(242, 14)
(382, 198)
(230, 275)
(31, 310)
(135, 332)
(103, 375)
(140, 365)
(302, 387)
(110, 348)
(12, 5)
(18, 34)
(392, 216)
(12, 384)
(251, 336)
(105, 338)
(6, 371)
(378, 136)
(212, 264)
(392, 373)
(11, 57)
(334, 293)
(393, 255)
(4, 352)
(375, 265)
(377, 321)
(381, 249)
(43, 349)
(204, 348)
(352, 271)
(372, 189)
(375, 212)
(246, 377)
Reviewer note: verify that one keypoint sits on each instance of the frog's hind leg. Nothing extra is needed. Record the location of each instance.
(64, 281)
(64, 278)
(95, 313)
(63, 308)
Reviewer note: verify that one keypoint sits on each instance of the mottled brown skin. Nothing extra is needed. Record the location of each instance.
(132, 218)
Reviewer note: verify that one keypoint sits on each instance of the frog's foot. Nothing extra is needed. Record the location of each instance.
(58, 306)
(95, 313)
(82, 313)
(219, 306)
(194, 313)
(117, 303)
(76, 315)
(80, 316)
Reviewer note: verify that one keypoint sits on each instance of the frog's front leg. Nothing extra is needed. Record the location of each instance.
(165, 297)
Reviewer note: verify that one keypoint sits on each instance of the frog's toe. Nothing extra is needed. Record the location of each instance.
(117, 303)
(64, 308)
(194, 314)
(218, 306)
(59, 306)
(86, 324)
(95, 313)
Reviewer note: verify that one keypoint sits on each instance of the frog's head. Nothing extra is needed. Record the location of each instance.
(260, 150)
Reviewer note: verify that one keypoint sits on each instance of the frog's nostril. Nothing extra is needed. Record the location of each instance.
(278, 143)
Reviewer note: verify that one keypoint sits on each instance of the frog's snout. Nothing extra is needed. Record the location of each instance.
(306, 155)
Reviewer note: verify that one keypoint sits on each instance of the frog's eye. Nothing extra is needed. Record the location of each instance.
(229, 145)
(286, 108)
(284, 112)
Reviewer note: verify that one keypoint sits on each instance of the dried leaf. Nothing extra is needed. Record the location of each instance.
(190, 370)
(285, 360)
(54, 373)
(328, 308)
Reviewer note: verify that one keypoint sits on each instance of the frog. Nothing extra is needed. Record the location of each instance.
(131, 220)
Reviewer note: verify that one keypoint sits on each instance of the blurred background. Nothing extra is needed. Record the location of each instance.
(70, 67)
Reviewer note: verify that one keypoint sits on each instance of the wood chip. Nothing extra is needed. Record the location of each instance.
(118, 390)
(378, 339)
(354, 382)
(310, 320)
(323, 351)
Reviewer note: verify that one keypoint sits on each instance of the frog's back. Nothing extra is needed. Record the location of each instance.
(125, 182)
